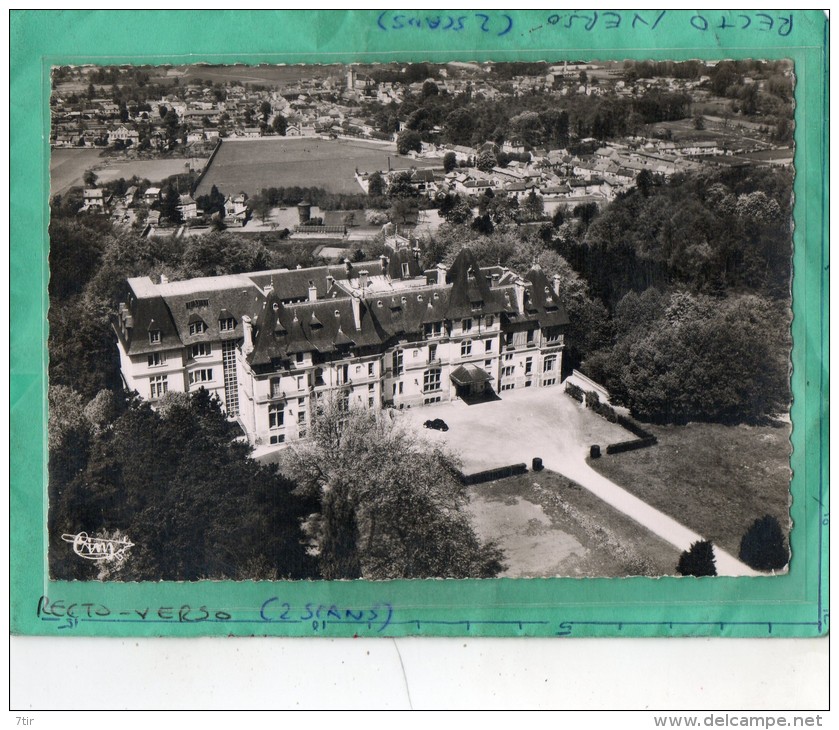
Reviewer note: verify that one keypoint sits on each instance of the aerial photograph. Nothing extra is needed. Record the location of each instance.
(420, 321)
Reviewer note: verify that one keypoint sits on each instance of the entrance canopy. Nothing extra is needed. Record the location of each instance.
(469, 375)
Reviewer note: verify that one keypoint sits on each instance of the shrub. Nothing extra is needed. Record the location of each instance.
(763, 547)
(640, 443)
(604, 410)
(698, 561)
(574, 391)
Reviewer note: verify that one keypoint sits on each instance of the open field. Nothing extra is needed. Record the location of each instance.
(715, 479)
(250, 165)
(549, 526)
(67, 166)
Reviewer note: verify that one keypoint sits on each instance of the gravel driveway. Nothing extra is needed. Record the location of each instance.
(549, 424)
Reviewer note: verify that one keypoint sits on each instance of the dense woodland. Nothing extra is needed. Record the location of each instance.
(678, 293)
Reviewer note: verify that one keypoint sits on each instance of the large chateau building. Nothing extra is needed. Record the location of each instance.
(378, 334)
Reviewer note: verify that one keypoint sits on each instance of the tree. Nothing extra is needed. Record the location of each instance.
(698, 561)
(527, 127)
(457, 212)
(483, 224)
(586, 212)
(76, 246)
(279, 124)
(429, 88)
(265, 110)
(533, 207)
(459, 127)
(376, 185)
(403, 211)
(391, 504)
(177, 508)
(725, 361)
(486, 161)
(169, 206)
(212, 203)
(171, 125)
(90, 178)
(644, 182)
(699, 122)
(401, 186)
(763, 546)
(449, 161)
(408, 141)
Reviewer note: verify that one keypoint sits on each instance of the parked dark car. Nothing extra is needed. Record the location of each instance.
(438, 424)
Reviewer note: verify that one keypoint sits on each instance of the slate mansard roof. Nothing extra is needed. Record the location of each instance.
(330, 309)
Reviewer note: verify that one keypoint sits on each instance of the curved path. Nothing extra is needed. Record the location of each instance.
(548, 424)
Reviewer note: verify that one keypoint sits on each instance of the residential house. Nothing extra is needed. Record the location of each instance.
(95, 201)
(187, 207)
(236, 210)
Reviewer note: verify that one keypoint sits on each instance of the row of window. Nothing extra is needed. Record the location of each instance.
(228, 324)
(201, 349)
(276, 414)
(204, 349)
(159, 384)
(204, 375)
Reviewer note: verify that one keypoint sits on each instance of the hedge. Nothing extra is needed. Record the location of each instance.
(633, 427)
(622, 446)
(492, 474)
(574, 391)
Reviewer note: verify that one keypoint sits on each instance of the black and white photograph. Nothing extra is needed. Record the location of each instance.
(411, 321)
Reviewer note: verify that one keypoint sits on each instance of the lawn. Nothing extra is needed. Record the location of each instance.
(714, 479)
(549, 526)
(251, 165)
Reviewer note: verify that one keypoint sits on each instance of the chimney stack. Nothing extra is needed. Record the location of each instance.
(384, 261)
(495, 278)
(313, 292)
(347, 266)
(441, 275)
(356, 310)
(164, 279)
(362, 279)
(556, 284)
(520, 295)
(330, 280)
(247, 328)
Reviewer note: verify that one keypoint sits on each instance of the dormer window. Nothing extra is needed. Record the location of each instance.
(228, 324)
(154, 336)
(197, 328)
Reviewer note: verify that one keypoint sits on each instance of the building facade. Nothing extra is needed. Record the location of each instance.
(375, 334)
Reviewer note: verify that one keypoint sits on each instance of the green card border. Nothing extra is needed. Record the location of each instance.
(790, 605)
